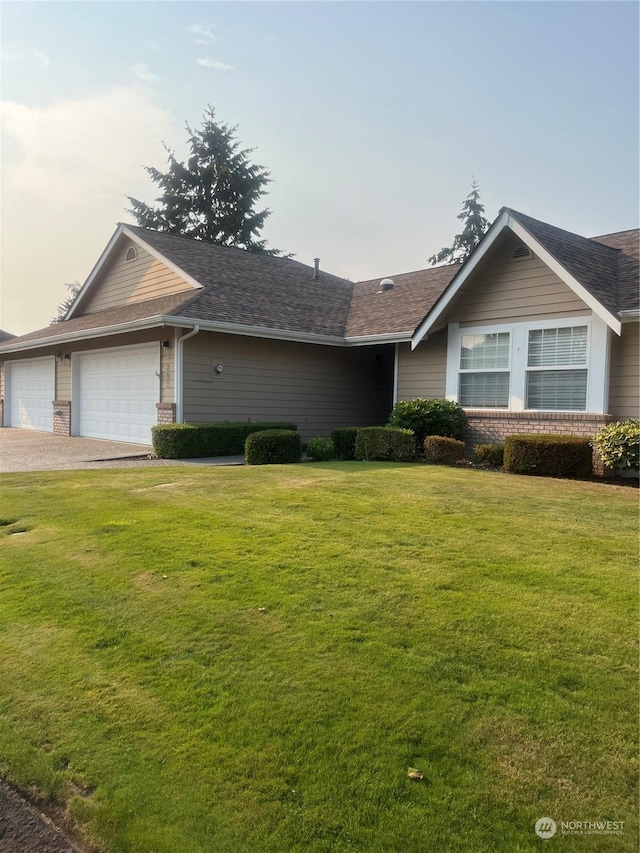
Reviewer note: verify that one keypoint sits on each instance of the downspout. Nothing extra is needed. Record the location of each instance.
(180, 372)
(395, 375)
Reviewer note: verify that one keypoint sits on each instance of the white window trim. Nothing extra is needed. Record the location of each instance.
(597, 359)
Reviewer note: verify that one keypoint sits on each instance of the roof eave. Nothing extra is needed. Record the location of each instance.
(253, 331)
(82, 334)
(630, 315)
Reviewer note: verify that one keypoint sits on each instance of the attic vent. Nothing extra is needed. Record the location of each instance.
(521, 253)
(386, 284)
(132, 254)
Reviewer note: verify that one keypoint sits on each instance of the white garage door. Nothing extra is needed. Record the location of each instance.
(118, 390)
(31, 390)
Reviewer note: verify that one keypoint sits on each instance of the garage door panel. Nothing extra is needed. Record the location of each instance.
(118, 394)
(31, 390)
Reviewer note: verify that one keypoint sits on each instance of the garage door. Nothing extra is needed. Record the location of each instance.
(31, 390)
(118, 390)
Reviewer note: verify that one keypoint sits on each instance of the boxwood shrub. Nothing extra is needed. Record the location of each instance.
(618, 445)
(385, 443)
(344, 442)
(191, 441)
(489, 454)
(429, 417)
(443, 450)
(320, 449)
(548, 455)
(273, 447)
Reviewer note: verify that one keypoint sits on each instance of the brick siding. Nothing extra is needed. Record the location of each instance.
(62, 417)
(166, 413)
(493, 427)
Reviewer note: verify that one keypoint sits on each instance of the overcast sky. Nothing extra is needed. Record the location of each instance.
(372, 118)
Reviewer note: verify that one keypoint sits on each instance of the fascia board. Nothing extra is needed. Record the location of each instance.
(459, 279)
(581, 292)
(94, 272)
(85, 334)
(390, 338)
(252, 331)
(630, 316)
(160, 257)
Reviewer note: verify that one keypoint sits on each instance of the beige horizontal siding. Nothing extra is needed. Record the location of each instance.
(624, 373)
(63, 379)
(503, 289)
(317, 388)
(422, 373)
(134, 281)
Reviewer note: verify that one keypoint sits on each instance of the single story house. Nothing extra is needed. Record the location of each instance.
(536, 332)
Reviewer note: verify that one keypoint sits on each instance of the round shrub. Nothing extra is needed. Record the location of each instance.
(548, 455)
(618, 445)
(273, 447)
(443, 450)
(320, 449)
(385, 443)
(489, 454)
(429, 417)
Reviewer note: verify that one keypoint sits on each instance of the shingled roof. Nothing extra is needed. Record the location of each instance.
(243, 290)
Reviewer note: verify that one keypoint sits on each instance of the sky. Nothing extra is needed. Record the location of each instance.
(373, 119)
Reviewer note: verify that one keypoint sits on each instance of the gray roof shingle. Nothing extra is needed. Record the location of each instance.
(249, 289)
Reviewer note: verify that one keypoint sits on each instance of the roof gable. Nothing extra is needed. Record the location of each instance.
(590, 268)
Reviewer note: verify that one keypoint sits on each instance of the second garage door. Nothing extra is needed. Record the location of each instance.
(31, 392)
(118, 391)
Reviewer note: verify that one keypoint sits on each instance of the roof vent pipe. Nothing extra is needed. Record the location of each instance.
(316, 269)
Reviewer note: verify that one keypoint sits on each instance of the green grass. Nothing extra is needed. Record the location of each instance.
(249, 659)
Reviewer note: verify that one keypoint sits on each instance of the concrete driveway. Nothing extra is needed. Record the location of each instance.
(29, 450)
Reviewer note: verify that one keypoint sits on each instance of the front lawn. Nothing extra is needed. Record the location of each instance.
(250, 659)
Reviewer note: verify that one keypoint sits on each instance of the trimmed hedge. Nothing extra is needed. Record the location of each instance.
(443, 450)
(618, 445)
(429, 417)
(385, 443)
(320, 449)
(344, 442)
(489, 454)
(548, 455)
(273, 447)
(191, 441)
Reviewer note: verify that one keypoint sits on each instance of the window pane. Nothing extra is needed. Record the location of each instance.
(558, 347)
(485, 352)
(484, 390)
(557, 390)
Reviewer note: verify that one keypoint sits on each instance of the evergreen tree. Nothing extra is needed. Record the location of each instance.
(213, 195)
(61, 311)
(475, 226)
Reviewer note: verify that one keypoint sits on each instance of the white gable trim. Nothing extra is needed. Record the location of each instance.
(506, 220)
(121, 231)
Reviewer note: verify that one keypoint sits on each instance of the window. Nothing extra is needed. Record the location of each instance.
(564, 387)
(484, 371)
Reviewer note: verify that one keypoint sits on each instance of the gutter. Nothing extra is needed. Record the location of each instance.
(83, 334)
(180, 372)
(630, 315)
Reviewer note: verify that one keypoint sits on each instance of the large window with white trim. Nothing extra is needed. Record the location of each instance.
(557, 369)
(546, 365)
(484, 371)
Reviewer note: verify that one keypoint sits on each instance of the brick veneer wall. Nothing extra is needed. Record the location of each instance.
(166, 413)
(62, 417)
(493, 427)
(1, 413)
